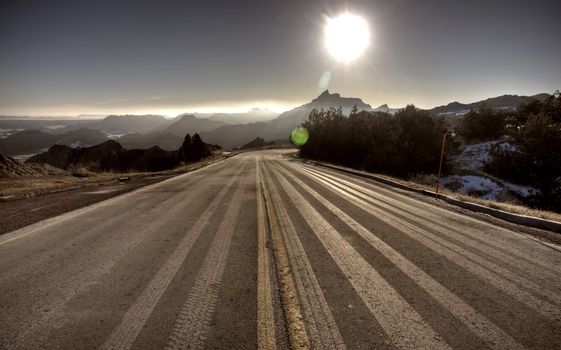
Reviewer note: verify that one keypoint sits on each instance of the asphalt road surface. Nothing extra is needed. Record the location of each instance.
(260, 251)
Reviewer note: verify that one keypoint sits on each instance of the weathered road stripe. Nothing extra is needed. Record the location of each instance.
(41, 225)
(479, 267)
(289, 295)
(523, 246)
(496, 250)
(494, 336)
(320, 324)
(192, 324)
(400, 321)
(266, 338)
(134, 319)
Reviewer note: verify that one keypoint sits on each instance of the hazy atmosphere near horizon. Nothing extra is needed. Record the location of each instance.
(168, 57)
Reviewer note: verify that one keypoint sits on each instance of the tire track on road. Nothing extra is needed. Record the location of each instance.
(320, 324)
(265, 318)
(478, 324)
(289, 295)
(401, 322)
(134, 319)
(193, 321)
(87, 270)
(41, 225)
(479, 267)
(521, 245)
(535, 268)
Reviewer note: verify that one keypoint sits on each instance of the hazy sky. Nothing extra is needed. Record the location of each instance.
(117, 56)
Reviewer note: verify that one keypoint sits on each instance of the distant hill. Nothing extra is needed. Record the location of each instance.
(279, 129)
(110, 156)
(252, 116)
(32, 141)
(165, 141)
(11, 125)
(107, 156)
(189, 124)
(509, 102)
(385, 109)
(124, 124)
(256, 143)
(290, 119)
(81, 138)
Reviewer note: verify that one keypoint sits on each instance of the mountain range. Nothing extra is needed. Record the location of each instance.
(509, 102)
(252, 116)
(228, 130)
(124, 124)
(279, 128)
(107, 156)
(33, 141)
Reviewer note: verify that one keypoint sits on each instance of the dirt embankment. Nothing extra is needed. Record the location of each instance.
(11, 168)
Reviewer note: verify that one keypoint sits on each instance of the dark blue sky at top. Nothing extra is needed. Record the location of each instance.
(81, 56)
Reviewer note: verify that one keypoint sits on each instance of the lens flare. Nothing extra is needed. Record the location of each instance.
(299, 136)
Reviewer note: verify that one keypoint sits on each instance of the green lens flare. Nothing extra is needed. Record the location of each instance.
(299, 136)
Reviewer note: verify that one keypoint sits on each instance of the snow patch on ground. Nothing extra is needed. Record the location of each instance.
(474, 157)
(482, 187)
(522, 191)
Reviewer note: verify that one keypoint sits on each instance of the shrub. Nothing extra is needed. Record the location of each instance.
(483, 124)
(405, 144)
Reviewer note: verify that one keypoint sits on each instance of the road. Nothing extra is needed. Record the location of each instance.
(261, 251)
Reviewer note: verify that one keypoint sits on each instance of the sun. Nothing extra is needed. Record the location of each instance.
(346, 36)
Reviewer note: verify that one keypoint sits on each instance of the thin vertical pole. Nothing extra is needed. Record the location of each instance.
(440, 166)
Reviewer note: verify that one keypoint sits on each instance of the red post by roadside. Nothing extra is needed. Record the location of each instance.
(440, 166)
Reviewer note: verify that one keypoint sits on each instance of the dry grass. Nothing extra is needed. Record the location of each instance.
(32, 186)
(428, 182)
(511, 207)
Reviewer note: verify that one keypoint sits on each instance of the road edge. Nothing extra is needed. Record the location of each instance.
(22, 231)
(525, 220)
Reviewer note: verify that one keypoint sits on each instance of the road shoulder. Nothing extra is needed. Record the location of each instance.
(22, 212)
(547, 237)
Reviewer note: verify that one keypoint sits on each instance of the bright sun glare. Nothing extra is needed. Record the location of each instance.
(346, 36)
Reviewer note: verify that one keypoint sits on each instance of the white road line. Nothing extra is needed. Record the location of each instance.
(520, 260)
(293, 315)
(320, 323)
(192, 324)
(463, 258)
(266, 338)
(495, 337)
(134, 319)
(537, 289)
(503, 236)
(400, 321)
(39, 322)
(41, 258)
(33, 228)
